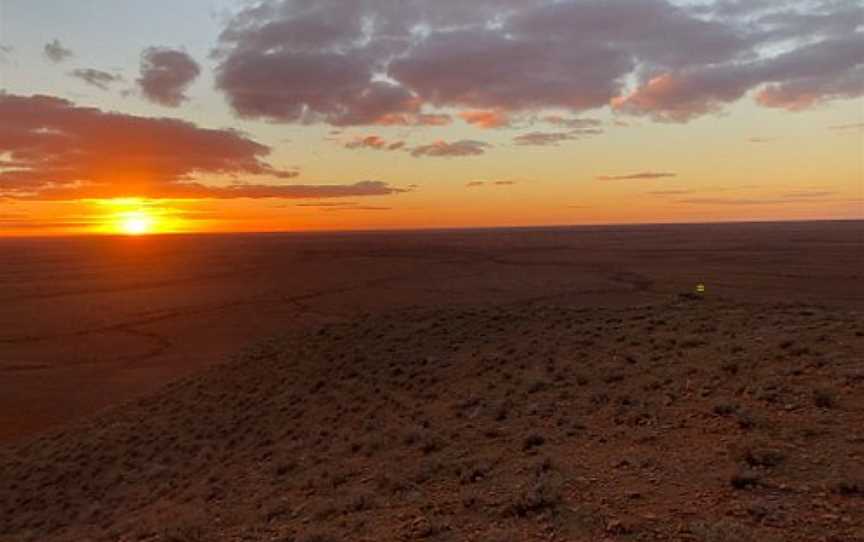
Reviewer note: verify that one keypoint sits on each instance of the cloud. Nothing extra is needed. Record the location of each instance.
(668, 192)
(486, 119)
(374, 142)
(326, 204)
(356, 208)
(544, 139)
(56, 150)
(590, 126)
(762, 139)
(733, 201)
(808, 194)
(794, 80)
(477, 184)
(813, 196)
(166, 74)
(96, 78)
(443, 149)
(42, 224)
(406, 119)
(636, 176)
(339, 206)
(5, 51)
(375, 62)
(55, 52)
(847, 127)
(265, 191)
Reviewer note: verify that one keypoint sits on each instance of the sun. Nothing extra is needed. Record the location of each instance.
(136, 223)
(137, 217)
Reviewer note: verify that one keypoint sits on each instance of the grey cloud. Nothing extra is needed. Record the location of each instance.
(56, 52)
(394, 62)
(97, 78)
(544, 139)
(374, 142)
(166, 74)
(636, 176)
(443, 149)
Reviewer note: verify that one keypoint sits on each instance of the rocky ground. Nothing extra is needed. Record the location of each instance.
(694, 419)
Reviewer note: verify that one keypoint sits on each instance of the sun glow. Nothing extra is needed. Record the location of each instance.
(136, 223)
(139, 216)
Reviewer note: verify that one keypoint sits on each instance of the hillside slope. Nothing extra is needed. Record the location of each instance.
(693, 420)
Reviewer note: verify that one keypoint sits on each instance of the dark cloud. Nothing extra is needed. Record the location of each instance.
(55, 52)
(166, 74)
(402, 61)
(636, 176)
(374, 142)
(504, 183)
(58, 151)
(475, 184)
(443, 149)
(544, 139)
(97, 78)
(484, 68)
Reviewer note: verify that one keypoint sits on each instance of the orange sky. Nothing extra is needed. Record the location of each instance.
(486, 116)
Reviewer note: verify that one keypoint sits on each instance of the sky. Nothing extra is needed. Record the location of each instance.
(293, 115)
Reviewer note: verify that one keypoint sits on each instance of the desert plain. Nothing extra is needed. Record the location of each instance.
(507, 384)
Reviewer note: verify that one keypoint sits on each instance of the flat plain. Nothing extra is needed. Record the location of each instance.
(550, 383)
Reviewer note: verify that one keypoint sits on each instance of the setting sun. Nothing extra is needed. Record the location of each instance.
(137, 223)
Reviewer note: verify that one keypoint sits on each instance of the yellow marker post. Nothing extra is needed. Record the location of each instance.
(700, 288)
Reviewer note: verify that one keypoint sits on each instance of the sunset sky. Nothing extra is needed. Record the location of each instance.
(233, 115)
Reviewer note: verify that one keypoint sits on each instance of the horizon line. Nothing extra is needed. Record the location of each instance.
(442, 229)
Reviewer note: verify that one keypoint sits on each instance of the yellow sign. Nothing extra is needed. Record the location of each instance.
(700, 288)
